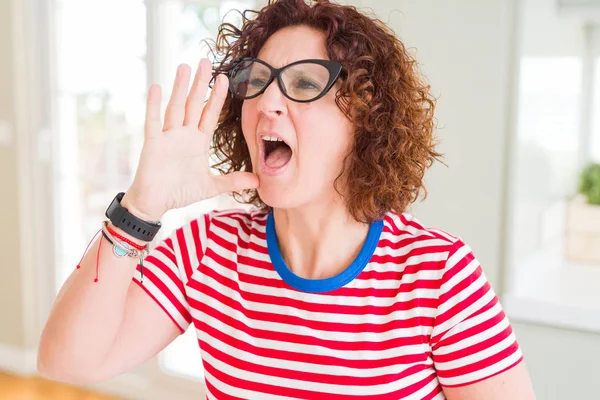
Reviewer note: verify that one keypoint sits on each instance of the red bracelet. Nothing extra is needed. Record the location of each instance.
(130, 242)
(115, 234)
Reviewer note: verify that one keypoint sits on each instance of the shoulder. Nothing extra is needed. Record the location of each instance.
(412, 242)
(405, 227)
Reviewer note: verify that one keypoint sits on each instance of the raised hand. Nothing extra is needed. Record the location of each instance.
(173, 170)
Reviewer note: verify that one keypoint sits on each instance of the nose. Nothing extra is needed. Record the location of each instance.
(272, 102)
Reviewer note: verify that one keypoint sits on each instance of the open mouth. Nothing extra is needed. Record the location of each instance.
(277, 153)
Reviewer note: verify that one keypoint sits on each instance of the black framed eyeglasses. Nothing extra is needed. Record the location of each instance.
(302, 81)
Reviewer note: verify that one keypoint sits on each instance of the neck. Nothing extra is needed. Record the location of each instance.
(318, 241)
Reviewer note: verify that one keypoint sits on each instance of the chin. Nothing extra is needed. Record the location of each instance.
(277, 196)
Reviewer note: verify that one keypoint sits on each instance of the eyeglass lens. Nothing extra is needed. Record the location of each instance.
(304, 81)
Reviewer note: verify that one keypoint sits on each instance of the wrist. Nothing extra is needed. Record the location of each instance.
(131, 220)
(125, 234)
(136, 211)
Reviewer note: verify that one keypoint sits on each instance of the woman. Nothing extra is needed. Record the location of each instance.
(326, 289)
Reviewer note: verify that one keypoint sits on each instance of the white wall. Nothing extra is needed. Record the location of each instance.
(562, 363)
(11, 328)
(464, 48)
(546, 32)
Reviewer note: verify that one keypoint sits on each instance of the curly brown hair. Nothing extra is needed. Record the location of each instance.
(381, 92)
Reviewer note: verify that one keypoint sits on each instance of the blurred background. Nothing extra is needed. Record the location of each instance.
(519, 121)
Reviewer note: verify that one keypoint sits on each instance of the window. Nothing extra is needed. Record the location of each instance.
(556, 134)
(106, 57)
(595, 139)
(547, 149)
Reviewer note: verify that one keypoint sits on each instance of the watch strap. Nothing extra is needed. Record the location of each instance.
(129, 223)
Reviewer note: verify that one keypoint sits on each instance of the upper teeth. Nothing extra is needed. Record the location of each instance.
(272, 139)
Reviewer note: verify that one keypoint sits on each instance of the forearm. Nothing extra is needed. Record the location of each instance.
(86, 315)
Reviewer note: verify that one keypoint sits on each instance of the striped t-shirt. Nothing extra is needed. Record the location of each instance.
(412, 313)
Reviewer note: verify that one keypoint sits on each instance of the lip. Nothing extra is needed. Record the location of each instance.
(265, 169)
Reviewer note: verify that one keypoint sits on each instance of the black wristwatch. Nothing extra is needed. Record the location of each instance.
(129, 223)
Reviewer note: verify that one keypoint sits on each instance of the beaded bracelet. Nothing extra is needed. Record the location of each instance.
(122, 249)
(126, 240)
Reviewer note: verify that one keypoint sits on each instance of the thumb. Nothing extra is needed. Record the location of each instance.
(236, 181)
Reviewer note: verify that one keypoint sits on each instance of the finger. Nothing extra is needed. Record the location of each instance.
(212, 110)
(175, 111)
(153, 125)
(236, 182)
(195, 100)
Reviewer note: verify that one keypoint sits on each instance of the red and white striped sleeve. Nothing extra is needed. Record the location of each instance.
(169, 266)
(472, 338)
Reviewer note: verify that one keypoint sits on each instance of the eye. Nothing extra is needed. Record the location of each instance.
(307, 84)
(257, 82)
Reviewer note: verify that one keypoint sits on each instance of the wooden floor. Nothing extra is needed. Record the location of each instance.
(36, 388)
